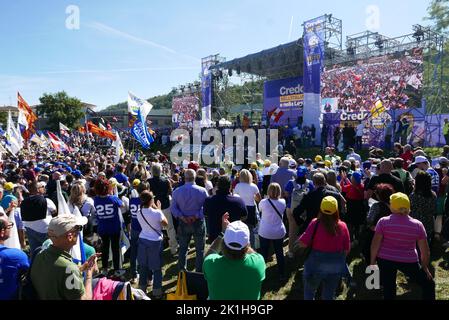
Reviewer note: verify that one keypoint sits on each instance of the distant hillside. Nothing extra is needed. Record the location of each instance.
(158, 102)
(227, 95)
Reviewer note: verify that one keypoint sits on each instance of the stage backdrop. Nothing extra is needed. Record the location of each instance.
(185, 110)
(283, 101)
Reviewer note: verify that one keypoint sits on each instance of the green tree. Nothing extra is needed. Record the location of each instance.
(4, 119)
(438, 11)
(436, 67)
(59, 107)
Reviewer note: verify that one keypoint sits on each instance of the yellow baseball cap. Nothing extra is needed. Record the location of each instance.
(327, 163)
(254, 166)
(136, 182)
(329, 206)
(8, 186)
(318, 158)
(399, 202)
(267, 163)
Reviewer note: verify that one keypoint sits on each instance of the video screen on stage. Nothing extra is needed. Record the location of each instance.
(395, 80)
(185, 110)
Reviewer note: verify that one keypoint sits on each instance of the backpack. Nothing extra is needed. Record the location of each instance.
(26, 290)
(298, 193)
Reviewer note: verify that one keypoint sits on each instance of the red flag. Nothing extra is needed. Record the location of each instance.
(56, 143)
(276, 115)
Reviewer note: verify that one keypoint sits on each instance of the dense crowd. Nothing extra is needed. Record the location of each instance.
(392, 209)
(360, 87)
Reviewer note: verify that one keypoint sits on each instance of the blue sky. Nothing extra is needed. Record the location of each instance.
(149, 47)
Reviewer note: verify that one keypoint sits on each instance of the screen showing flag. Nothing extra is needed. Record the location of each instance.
(284, 100)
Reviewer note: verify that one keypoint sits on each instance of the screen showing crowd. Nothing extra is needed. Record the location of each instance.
(396, 80)
(185, 109)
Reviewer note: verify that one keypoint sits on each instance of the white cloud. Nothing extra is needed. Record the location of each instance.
(118, 70)
(112, 31)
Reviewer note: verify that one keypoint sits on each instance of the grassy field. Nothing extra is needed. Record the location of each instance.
(292, 287)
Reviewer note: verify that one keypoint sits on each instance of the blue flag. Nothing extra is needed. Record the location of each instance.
(140, 132)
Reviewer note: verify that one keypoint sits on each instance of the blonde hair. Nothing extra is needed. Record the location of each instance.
(245, 176)
(77, 194)
(274, 191)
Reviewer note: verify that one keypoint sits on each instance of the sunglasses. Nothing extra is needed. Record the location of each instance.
(76, 229)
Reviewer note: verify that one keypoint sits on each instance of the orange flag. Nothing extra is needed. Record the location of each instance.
(100, 132)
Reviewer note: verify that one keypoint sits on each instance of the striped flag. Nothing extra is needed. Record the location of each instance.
(276, 115)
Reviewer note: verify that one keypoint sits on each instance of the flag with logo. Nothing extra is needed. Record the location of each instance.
(140, 132)
(134, 105)
(77, 251)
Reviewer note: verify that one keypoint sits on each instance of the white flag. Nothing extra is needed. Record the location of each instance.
(22, 120)
(63, 130)
(77, 251)
(13, 137)
(135, 104)
(119, 150)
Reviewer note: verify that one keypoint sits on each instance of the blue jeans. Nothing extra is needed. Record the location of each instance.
(278, 249)
(133, 253)
(149, 257)
(326, 269)
(185, 233)
(35, 239)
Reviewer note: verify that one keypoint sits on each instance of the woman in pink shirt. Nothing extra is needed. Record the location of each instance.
(394, 247)
(328, 237)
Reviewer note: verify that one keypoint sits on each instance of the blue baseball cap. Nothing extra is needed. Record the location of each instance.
(77, 174)
(357, 177)
(367, 165)
(301, 172)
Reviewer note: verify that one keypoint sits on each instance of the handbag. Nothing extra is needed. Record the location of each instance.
(275, 209)
(157, 232)
(197, 284)
(181, 292)
(305, 252)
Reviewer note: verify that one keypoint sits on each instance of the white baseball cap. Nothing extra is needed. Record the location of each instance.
(62, 224)
(421, 159)
(236, 236)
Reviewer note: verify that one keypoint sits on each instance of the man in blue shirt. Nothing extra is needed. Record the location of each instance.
(121, 177)
(187, 206)
(283, 174)
(223, 202)
(13, 263)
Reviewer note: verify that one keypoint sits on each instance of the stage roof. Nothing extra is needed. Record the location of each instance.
(280, 62)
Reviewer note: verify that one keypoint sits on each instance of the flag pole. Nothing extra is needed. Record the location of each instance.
(87, 131)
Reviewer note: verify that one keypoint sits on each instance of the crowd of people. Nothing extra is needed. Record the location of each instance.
(392, 80)
(392, 209)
